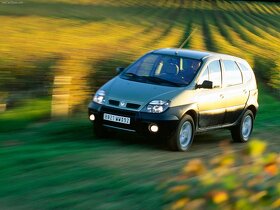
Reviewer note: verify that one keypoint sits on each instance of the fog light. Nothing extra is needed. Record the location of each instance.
(153, 128)
(92, 117)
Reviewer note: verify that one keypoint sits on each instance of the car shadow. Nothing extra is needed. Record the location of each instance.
(209, 140)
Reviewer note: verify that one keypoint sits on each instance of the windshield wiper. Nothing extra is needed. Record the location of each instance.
(161, 80)
(134, 76)
(131, 74)
(157, 80)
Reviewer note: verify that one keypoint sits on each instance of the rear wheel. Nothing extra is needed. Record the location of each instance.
(182, 138)
(242, 131)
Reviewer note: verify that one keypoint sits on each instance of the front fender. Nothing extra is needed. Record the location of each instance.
(172, 113)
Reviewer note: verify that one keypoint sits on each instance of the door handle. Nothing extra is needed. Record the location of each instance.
(222, 96)
(245, 91)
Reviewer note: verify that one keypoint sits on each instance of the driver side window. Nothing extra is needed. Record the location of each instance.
(212, 73)
(215, 73)
(204, 76)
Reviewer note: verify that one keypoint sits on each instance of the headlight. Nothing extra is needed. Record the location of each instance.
(99, 97)
(157, 106)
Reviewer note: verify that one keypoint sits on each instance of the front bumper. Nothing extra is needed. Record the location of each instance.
(139, 121)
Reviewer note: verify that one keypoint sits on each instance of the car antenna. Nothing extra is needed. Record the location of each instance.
(185, 41)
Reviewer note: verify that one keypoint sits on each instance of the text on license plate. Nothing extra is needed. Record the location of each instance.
(115, 118)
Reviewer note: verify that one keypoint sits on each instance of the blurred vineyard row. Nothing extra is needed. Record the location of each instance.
(85, 40)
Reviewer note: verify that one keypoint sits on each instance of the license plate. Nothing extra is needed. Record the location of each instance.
(116, 118)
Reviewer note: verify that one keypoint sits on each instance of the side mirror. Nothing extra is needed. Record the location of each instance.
(119, 69)
(206, 84)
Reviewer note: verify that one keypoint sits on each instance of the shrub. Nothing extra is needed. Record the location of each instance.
(244, 180)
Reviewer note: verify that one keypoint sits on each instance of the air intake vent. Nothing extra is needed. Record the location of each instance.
(114, 102)
(132, 106)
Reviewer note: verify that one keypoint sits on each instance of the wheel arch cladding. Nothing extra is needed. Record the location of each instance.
(193, 114)
(253, 109)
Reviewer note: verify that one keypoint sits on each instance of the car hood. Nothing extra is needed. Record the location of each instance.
(142, 93)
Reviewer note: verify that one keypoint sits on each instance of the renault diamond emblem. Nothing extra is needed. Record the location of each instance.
(122, 104)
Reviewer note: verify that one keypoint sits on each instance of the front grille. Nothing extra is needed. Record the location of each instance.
(128, 105)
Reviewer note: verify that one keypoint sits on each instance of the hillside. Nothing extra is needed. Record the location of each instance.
(86, 40)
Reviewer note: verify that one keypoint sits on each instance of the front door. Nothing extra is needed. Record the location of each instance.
(211, 103)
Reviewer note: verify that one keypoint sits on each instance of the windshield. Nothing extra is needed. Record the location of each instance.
(163, 70)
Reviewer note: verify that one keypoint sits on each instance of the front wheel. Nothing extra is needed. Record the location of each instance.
(182, 138)
(242, 131)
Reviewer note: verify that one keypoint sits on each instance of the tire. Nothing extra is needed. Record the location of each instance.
(242, 131)
(180, 141)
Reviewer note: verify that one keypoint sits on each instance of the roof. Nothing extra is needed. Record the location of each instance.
(194, 54)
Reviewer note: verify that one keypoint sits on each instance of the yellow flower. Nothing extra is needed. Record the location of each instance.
(256, 147)
(219, 197)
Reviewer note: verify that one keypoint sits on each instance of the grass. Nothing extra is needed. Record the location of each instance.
(46, 165)
(59, 163)
(268, 114)
(27, 112)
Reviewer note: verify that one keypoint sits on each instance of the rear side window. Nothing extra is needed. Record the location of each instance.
(232, 74)
(246, 72)
(215, 74)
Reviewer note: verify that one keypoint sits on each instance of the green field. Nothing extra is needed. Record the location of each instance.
(58, 163)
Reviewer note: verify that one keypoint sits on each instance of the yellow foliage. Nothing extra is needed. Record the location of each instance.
(271, 169)
(258, 196)
(241, 193)
(219, 197)
(217, 186)
(179, 204)
(179, 188)
(256, 147)
(195, 204)
(224, 161)
(276, 204)
(208, 178)
(195, 167)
